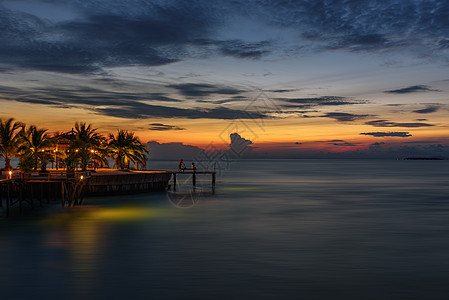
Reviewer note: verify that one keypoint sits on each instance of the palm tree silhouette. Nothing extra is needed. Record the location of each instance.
(126, 148)
(9, 140)
(86, 142)
(37, 144)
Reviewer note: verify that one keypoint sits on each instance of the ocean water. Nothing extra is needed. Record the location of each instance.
(274, 229)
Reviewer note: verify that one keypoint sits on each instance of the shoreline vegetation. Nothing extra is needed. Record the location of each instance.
(81, 148)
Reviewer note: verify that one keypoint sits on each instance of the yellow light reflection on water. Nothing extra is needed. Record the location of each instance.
(103, 214)
(123, 214)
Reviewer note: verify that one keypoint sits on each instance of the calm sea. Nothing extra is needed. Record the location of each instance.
(274, 229)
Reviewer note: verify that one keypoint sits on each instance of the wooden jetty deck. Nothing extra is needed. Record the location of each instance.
(56, 186)
(194, 173)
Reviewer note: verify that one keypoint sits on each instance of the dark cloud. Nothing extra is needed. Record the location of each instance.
(223, 101)
(422, 142)
(137, 110)
(361, 42)
(385, 134)
(320, 101)
(164, 127)
(120, 104)
(429, 109)
(203, 89)
(344, 117)
(344, 144)
(242, 49)
(239, 146)
(421, 120)
(412, 89)
(377, 146)
(173, 151)
(366, 25)
(385, 123)
(282, 90)
(82, 95)
(106, 33)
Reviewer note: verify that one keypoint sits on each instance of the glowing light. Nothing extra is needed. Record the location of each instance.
(82, 177)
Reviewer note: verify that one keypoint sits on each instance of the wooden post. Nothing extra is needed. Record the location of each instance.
(194, 179)
(41, 191)
(62, 193)
(30, 190)
(7, 199)
(20, 198)
(213, 183)
(174, 182)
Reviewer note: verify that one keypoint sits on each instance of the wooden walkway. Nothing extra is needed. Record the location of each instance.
(36, 189)
(49, 187)
(194, 173)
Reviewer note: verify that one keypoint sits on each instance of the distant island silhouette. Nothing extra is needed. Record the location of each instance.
(424, 158)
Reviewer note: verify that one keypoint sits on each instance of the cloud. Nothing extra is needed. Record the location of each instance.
(104, 34)
(128, 105)
(203, 89)
(163, 127)
(239, 146)
(173, 151)
(87, 36)
(429, 109)
(241, 49)
(385, 123)
(412, 89)
(320, 101)
(377, 146)
(344, 144)
(344, 117)
(364, 26)
(139, 110)
(422, 142)
(385, 134)
(282, 90)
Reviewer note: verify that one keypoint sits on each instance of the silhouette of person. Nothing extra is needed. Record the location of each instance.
(181, 165)
(193, 166)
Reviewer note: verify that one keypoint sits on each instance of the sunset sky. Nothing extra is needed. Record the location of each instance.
(308, 78)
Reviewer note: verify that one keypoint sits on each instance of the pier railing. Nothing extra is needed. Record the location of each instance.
(52, 175)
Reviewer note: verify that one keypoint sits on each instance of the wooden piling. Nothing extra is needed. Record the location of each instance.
(62, 193)
(8, 194)
(174, 182)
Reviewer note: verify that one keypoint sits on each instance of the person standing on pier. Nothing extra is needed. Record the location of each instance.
(193, 166)
(181, 165)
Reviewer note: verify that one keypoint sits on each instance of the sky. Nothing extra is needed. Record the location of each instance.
(293, 79)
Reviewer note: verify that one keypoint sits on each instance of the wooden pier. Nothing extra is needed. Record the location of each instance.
(36, 189)
(42, 188)
(193, 174)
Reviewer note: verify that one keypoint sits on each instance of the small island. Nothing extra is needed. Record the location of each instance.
(424, 158)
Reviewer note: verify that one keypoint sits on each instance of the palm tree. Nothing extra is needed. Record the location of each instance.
(126, 148)
(8, 140)
(37, 144)
(99, 155)
(86, 142)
